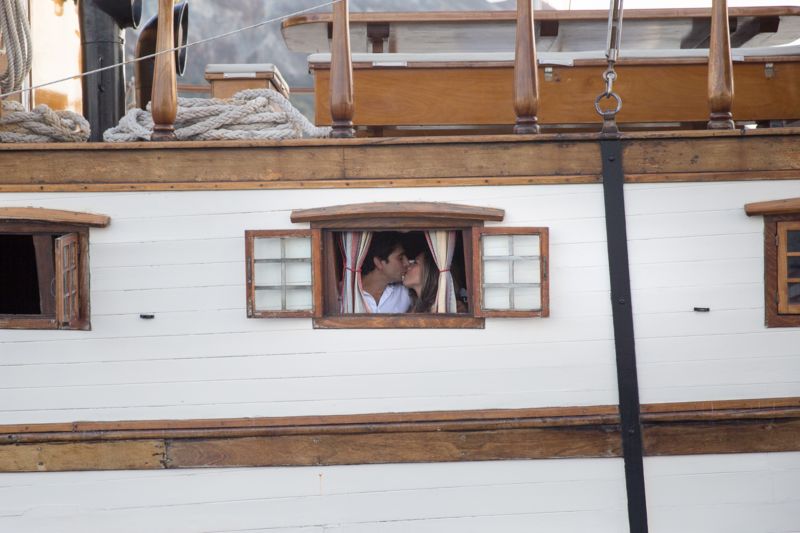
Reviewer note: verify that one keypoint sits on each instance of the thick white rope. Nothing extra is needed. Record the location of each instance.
(250, 114)
(41, 125)
(17, 41)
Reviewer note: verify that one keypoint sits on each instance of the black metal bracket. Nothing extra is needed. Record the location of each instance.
(624, 340)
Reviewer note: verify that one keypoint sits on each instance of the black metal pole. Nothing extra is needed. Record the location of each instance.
(101, 24)
(624, 340)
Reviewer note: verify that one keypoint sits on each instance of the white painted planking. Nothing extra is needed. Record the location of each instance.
(300, 340)
(230, 273)
(183, 485)
(713, 297)
(685, 252)
(697, 248)
(741, 493)
(559, 494)
(138, 205)
(221, 409)
(698, 197)
(563, 522)
(684, 355)
(680, 392)
(267, 366)
(162, 253)
(697, 273)
(672, 225)
(720, 372)
(212, 322)
(158, 390)
(691, 323)
(766, 343)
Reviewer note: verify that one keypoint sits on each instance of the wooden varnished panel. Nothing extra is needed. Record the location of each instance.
(688, 428)
(528, 443)
(484, 96)
(384, 163)
(44, 457)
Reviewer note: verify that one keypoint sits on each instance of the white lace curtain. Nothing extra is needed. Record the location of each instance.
(355, 245)
(442, 245)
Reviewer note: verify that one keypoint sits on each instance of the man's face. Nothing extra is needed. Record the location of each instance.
(395, 265)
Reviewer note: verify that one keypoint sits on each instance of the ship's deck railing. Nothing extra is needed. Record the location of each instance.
(525, 101)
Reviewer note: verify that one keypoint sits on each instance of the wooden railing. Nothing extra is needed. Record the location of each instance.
(720, 69)
(526, 93)
(165, 81)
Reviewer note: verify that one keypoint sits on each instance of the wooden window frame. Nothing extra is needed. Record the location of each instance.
(49, 319)
(413, 216)
(386, 320)
(777, 313)
(316, 273)
(477, 259)
(778, 215)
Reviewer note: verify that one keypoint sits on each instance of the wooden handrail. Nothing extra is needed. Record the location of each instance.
(165, 82)
(341, 73)
(526, 83)
(720, 69)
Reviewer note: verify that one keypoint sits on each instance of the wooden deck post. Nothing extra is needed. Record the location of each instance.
(526, 83)
(341, 73)
(164, 103)
(720, 69)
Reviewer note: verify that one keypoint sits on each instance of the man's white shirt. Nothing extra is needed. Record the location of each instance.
(395, 299)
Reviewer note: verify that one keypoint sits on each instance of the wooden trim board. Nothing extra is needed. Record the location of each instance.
(55, 216)
(738, 426)
(481, 160)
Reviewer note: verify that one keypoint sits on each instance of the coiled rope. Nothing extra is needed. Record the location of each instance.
(250, 114)
(41, 125)
(16, 34)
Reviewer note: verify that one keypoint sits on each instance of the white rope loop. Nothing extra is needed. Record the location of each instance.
(250, 114)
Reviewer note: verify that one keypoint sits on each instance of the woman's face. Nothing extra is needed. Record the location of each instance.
(413, 277)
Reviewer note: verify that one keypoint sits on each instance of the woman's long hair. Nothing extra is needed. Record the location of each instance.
(430, 283)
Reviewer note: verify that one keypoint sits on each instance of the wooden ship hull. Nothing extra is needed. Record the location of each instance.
(173, 410)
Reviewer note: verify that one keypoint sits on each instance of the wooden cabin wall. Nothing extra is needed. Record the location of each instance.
(691, 245)
(180, 256)
(739, 493)
(510, 496)
(732, 493)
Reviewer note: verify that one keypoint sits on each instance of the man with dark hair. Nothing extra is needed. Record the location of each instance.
(382, 274)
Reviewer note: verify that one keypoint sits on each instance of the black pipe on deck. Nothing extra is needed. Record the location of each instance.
(101, 26)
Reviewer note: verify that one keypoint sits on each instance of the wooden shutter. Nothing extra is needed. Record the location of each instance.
(284, 273)
(518, 278)
(68, 304)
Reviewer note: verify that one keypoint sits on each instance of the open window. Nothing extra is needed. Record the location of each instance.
(478, 271)
(44, 268)
(781, 260)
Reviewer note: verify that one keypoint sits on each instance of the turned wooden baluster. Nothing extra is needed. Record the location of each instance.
(164, 103)
(720, 69)
(526, 82)
(341, 73)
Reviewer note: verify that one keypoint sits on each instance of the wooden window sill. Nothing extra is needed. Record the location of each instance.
(404, 321)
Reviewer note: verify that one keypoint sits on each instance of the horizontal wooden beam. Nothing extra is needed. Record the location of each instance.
(384, 163)
(738, 426)
(55, 216)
